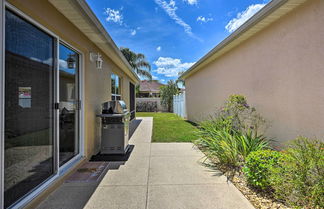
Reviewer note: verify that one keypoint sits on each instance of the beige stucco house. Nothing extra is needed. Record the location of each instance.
(276, 59)
(58, 65)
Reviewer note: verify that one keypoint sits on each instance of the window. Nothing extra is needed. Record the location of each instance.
(115, 87)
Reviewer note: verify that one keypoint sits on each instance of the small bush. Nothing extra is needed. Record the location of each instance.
(229, 146)
(300, 178)
(243, 117)
(250, 142)
(216, 137)
(258, 166)
(232, 133)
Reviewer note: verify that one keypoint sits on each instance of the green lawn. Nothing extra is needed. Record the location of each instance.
(168, 127)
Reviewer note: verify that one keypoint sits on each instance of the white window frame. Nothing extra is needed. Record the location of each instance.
(2, 66)
(119, 87)
(64, 168)
(58, 171)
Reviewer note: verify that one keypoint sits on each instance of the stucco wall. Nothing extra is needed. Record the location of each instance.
(280, 70)
(96, 82)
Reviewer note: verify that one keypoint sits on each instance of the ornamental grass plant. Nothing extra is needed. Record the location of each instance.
(232, 133)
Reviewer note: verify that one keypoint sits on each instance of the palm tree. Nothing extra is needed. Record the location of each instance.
(137, 62)
(180, 81)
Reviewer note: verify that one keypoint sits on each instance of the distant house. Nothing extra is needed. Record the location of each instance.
(149, 89)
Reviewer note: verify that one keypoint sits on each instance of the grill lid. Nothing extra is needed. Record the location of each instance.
(114, 107)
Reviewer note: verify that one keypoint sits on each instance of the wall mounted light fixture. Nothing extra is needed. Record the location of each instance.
(71, 61)
(96, 58)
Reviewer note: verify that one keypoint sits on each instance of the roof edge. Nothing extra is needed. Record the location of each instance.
(85, 9)
(266, 11)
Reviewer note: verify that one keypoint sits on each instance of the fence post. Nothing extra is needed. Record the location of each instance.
(179, 105)
(174, 104)
(184, 105)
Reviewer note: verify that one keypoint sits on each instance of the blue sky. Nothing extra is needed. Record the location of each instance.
(173, 34)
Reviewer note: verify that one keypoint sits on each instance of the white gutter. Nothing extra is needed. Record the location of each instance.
(81, 15)
(267, 15)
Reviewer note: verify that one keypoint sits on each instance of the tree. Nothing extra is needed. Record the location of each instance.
(167, 93)
(137, 62)
(137, 90)
(180, 81)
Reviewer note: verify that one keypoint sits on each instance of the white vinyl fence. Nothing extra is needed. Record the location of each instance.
(179, 105)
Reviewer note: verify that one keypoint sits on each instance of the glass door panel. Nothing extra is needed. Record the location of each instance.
(69, 103)
(29, 76)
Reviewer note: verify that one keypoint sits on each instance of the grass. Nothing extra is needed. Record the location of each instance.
(168, 127)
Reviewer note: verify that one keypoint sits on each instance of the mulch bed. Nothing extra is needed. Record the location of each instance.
(259, 199)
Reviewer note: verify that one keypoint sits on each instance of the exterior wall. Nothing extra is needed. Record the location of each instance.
(280, 70)
(96, 83)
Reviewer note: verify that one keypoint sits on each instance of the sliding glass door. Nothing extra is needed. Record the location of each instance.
(42, 107)
(29, 98)
(69, 103)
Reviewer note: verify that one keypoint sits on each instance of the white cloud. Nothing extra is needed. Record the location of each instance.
(171, 67)
(191, 2)
(114, 16)
(63, 64)
(242, 17)
(158, 48)
(204, 19)
(154, 77)
(133, 32)
(170, 8)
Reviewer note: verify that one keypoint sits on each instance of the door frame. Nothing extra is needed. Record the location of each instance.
(58, 171)
(2, 66)
(62, 169)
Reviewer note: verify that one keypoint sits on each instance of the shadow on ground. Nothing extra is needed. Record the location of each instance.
(133, 126)
(82, 190)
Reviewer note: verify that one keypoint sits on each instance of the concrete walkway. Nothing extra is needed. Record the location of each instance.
(156, 176)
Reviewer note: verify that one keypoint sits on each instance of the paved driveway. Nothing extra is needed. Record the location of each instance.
(156, 176)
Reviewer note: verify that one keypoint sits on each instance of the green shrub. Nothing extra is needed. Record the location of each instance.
(258, 167)
(300, 178)
(229, 146)
(216, 137)
(232, 133)
(243, 117)
(250, 142)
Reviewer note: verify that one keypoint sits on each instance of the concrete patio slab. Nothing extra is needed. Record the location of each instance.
(119, 197)
(130, 175)
(141, 149)
(220, 196)
(69, 196)
(182, 170)
(138, 161)
(175, 149)
(143, 132)
(156, 176)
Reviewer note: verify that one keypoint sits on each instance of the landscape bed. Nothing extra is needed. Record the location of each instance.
(232, 141)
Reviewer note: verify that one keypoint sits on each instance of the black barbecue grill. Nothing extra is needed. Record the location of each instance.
(114, 127)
